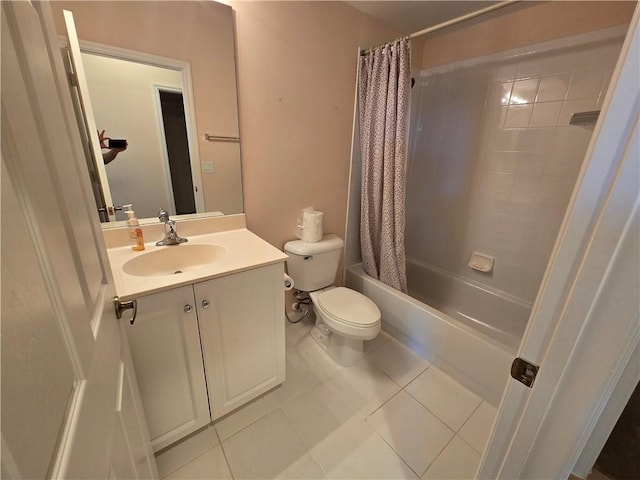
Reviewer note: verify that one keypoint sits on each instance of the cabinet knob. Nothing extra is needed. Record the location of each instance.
(205, 304)
(187, 308)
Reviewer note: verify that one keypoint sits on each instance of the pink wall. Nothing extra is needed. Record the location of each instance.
(296, 78)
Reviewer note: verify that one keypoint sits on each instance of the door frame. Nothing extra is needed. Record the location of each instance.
(571, 409)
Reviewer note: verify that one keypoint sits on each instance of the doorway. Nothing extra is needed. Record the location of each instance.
(177, 149)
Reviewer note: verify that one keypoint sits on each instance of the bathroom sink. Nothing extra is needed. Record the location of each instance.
(173, 260)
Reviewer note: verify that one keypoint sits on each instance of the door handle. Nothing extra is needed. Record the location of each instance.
(205, 303)
(121, 306)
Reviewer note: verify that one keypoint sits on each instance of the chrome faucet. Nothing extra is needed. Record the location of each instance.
(171, 236)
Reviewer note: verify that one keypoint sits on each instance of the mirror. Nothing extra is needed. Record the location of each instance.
(162, 76)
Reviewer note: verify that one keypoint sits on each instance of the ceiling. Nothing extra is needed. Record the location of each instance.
(412, 16)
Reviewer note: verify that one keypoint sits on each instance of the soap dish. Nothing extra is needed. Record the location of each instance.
(481, 262)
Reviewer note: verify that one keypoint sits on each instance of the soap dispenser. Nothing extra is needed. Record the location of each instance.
(133, 227)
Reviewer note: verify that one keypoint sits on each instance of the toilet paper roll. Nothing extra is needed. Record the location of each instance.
(312, 226)
(288, 282)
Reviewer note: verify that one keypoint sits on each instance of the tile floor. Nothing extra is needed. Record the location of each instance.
(391, 416)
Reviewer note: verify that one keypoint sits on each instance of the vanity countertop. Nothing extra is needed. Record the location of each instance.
(244, 251)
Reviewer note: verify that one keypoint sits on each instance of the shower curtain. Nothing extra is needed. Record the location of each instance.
(383, 86)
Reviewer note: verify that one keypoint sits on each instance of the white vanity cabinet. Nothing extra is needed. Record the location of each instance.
(229, 330)
(241, 320)
(165, 346)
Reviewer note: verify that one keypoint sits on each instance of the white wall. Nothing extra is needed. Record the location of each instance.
(125, 106)
(494, 161)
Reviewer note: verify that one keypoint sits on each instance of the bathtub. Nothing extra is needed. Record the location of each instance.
(476, 352)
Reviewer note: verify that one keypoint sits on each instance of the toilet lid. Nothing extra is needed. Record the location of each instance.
(349, 307)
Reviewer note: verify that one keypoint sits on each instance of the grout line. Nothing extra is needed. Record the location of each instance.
(190, 461)
(397, 453)
(226, 459)
(278, 406)
(182, 441)
(389, 337)
(249, 424)
(469, 417)
(470, 446)
(435, 415)
(224, 453)
(438, 455)
(384, 403)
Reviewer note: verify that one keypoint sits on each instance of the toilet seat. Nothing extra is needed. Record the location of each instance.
(348, 312)
(349, 307)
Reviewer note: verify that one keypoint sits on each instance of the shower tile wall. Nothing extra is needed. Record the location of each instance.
(493, 161)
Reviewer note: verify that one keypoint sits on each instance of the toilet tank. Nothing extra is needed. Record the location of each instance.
(313, 265)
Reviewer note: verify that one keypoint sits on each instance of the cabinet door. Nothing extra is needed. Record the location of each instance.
(165, 346)
(242, 331)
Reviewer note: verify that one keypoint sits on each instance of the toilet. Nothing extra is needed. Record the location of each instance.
(344, 318)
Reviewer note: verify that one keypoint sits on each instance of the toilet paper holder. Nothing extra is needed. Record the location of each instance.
(288, 282)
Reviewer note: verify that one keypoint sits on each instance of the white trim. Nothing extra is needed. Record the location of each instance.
(120, 394)
(68, 434)
(98, 311)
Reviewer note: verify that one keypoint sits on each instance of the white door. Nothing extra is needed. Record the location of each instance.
(61, 344)
(87, 117)
(584, 331)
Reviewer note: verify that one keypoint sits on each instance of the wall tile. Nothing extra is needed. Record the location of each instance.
(539, 140)
(553, 87)
(563, 166)
(518, 116)
(504, 162)
(524, 91)
(499, 182)
(545, 114)
(522, 207)
(586, 84)
(505, 92)
(528, 68)
(531, 163)
(505, 72)
(491, 174)
(506, 140)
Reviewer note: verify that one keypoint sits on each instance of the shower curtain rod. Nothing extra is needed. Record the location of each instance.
(453, 21)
